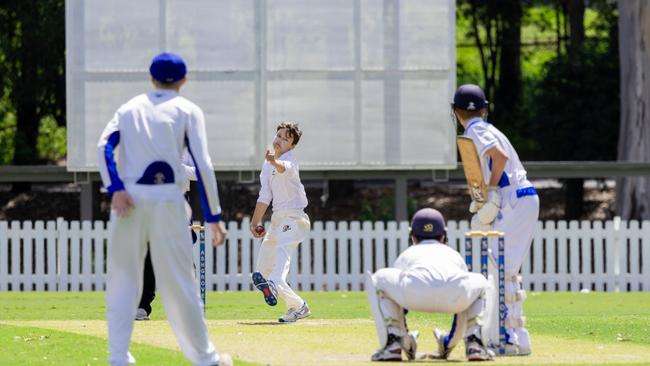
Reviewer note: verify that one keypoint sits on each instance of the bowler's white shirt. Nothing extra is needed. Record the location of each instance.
(486, 136)
(283, 189)
(431, 262)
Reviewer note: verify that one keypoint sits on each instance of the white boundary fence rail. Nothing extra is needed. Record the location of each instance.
(565, 256)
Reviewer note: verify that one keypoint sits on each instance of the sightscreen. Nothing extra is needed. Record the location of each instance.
(369, 81)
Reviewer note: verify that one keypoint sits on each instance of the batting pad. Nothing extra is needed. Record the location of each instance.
(375, 308)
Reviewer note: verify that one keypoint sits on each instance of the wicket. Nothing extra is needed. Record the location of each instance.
(201, 230)
(484, 271)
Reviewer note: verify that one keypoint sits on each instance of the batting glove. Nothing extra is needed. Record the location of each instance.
(473, 207)
(490, 209)
(476, 225)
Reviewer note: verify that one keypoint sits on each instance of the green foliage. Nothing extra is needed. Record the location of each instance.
(576, 103)
(51, 140)
(7, 132)
(383, 210)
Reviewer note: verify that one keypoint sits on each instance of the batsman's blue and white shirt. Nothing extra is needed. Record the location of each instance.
(486, 136)
(143, 145)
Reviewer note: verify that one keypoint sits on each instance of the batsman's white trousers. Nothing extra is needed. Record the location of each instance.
(517, 220)
(406, 290)
(162, 223)
(288, 229)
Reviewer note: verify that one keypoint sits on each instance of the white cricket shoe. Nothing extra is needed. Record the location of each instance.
(476, 351)
(141, 314)
(224, 360)
(410, 345)
(294, 314)
(443, 352)
(392, 351)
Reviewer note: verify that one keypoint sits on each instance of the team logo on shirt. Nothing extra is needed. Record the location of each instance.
(286, 228)
(428, 228)
(273, 172)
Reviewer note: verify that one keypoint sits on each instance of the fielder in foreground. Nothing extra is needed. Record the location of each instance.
(512, 204)
(431, 277)
(280, 183)
(146, 179)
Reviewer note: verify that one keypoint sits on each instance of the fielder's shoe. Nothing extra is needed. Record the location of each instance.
(141, 314)
(392, 351)
(224, 360)
(267, 288)
(443, 352)
(294, 314)
(410, 345)
(475, 351)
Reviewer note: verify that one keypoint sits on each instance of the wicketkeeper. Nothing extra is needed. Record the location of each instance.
(512, 204)
(431, 277)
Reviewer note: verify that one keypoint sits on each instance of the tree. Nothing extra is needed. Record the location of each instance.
(633, 194)
(32, 68)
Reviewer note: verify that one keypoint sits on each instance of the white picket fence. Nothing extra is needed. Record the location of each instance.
(71, 256)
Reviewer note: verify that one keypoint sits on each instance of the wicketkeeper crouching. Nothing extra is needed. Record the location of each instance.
(429, 276)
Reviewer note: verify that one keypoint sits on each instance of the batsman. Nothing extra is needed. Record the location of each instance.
(509, 203)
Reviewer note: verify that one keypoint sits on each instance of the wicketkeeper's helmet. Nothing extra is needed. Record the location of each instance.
(428, 223)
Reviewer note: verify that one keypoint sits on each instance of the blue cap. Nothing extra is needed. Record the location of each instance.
(428, 223)
(167, 67)
(470, 97)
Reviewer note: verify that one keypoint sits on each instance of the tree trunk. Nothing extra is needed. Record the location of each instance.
(633, 194)
(508, 94)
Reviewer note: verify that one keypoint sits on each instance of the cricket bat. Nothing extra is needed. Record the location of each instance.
(472, 168)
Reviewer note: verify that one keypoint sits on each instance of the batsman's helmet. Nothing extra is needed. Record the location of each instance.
(428, 223)
(167, 67)
(469, 97)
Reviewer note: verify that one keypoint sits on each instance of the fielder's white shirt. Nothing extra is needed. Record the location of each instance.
(284, 189)
(432, 262)
(149, 134)
(486, 136)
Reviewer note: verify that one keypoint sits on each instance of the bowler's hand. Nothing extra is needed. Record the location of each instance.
(121, 203)
(270, 156)
(219, 233)
(490, 209)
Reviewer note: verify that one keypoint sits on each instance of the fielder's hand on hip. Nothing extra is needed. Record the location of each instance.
(490, 209)
(219, 233)
(121, 203)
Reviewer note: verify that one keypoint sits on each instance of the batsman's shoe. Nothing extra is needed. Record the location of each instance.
(409, 344)
(294, 314)
(392, 351)
(476, 351)
(141, 314)
(443, 351)
(267, 288)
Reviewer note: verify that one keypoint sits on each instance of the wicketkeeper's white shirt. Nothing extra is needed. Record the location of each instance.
(283, 189)
(432, 262)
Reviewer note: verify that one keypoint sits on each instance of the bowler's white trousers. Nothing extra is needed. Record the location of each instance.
(288, 229)
(162, 223)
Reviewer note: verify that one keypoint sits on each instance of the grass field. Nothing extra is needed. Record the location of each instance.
(69, 329)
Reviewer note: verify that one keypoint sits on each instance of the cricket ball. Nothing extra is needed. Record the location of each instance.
(259, 229)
